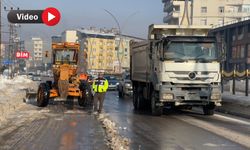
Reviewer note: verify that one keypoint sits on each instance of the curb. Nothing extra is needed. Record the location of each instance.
(234, 108)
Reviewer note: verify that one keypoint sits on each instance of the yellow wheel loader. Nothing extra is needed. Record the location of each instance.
(69, 82)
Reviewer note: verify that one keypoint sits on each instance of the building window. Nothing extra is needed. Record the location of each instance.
(176, 8)
(248, 50)
(221, 9)
(203, 9)
(248, 28)
(240, 30)
(234, 52)
(203, 21)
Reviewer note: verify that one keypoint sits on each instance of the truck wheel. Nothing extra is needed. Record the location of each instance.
(43, 95)
(139, 102)
(135, 95)
(156, 110)
(209, 109)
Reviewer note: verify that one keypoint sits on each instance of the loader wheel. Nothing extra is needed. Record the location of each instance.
(156, 110)
(43, 95)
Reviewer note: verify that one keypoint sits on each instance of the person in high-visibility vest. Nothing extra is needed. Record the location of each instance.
(100, 86)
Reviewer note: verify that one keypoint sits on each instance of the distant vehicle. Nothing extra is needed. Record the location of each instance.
(125, 85)
(113, 82)
(30, 75)
(6, 72)
(36, 77)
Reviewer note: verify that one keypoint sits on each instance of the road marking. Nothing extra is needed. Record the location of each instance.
(221, 131)
(232, 119)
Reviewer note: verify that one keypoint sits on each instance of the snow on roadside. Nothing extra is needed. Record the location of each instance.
(12, 94)
(115, 140)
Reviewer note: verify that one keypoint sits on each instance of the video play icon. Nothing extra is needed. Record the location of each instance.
(51, 16)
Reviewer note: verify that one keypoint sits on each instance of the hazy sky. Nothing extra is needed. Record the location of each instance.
(134, 15)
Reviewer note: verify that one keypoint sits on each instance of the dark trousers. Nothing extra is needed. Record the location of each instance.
(99, 97)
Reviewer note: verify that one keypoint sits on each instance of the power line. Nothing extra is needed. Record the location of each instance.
(9, 4)
(5, 3)
(12, 3)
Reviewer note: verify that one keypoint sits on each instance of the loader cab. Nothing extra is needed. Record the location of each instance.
(65, 53)
(65, 56)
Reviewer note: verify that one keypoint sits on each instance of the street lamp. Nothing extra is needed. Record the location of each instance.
(119, 33)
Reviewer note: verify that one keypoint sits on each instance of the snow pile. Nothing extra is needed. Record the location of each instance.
(115, 141)
(12, 93)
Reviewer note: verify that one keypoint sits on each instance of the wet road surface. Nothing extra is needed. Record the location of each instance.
(178, 130)
(69, 127)
(57, 127)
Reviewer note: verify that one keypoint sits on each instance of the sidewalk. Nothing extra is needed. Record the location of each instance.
(238, 104)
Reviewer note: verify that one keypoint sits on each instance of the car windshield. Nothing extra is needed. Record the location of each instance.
(111, 78)
(65, 56)
(190, 51)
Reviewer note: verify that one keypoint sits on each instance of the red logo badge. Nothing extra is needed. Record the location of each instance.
(51, 16)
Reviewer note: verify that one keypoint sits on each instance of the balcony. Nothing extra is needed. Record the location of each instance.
(234, 2)
(171, 16)
(169, 5)
(236, 14)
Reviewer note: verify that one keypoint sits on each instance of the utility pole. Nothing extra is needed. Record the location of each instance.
(0, 34)
(12, 45)
(10, 51)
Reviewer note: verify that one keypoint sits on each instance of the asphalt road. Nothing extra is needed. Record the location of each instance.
(61, 126)
(178, 130)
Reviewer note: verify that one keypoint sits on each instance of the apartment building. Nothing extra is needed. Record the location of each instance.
(37, 45)
(106, 50)
(100, 50)
(3, 51)
(205, 12)
(233, 42)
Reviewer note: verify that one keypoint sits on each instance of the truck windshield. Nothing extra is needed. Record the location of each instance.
(65, 56)
(190, 51)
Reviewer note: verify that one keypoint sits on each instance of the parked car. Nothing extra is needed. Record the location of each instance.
(30, 75)
(113, 82)
(36, 77)
(125, 85)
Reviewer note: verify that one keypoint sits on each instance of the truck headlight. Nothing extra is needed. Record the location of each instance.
(168, 96)
(215, 96)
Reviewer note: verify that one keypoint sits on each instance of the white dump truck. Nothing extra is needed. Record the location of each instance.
(176, 66)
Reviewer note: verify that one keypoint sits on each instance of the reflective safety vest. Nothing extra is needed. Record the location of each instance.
(100, 85)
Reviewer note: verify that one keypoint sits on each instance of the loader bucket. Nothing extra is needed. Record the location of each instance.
(30, 95)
